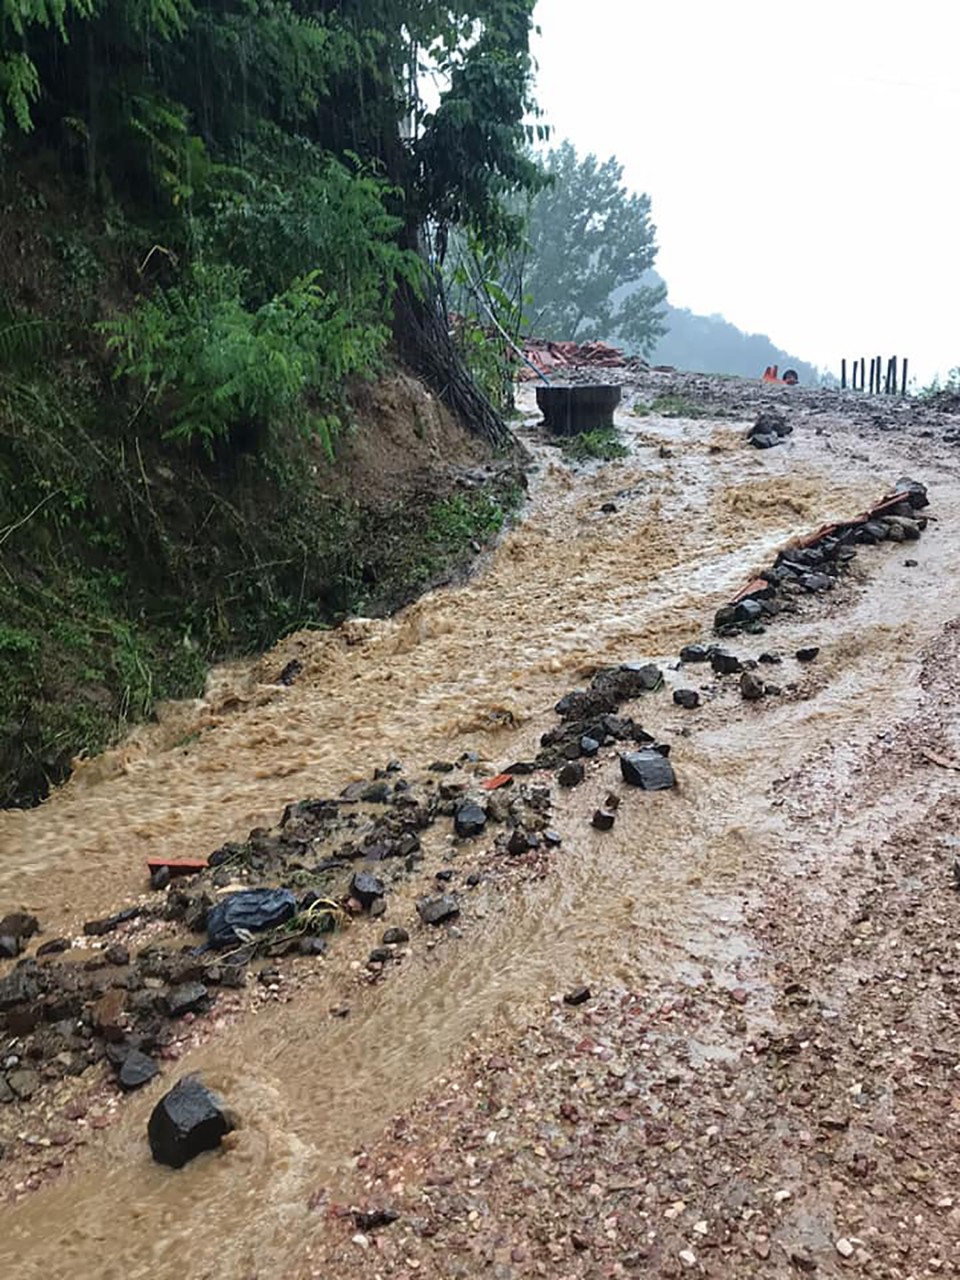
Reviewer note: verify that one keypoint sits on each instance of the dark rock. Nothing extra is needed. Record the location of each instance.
(571, 751)
(17, 988)
(647, 769)
(771, 422)
(519, 841)
(916, 493)
(380, 955)
(694, 653)
(9, 947)
(909, 530)
(441, 766)
(763, 440)
(445, 873)
(375, 793)
(807, 655)
(647, 674)
(603, 820)
(770, 659)
(378, 908)
(395, 937)
(373, 1219)
(186, 1121)
(871, 531)
(751, 686)
(189, 997)
(907, 564)
(117, 954)
(473, 879)
(687, 698)
(136, 1070)
(571, 775)
(552, 838)
(589, 746)
(53, 947)
(725, 664)
(290, 672)
(19, 925)
(773, 690)
(437, 909)
(366, 888)
(159, 877)
(97, 928)
(24, 1083)
(6, 1093)
(609, 508)
(749, 611)
(579, 995)
(470, 819)
(312, 946)
(816, 582)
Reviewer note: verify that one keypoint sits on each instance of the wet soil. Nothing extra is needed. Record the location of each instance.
(763, 1080)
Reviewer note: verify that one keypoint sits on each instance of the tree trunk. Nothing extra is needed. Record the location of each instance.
(423, 337)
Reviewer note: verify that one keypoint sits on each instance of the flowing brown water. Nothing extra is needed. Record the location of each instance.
(476, 667)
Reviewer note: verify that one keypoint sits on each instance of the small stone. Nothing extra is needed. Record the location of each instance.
(470, 819)
(9, 947)
(367, 888)
(24, 1083)
(803, 1260)
(648, 769)
(844, 1248)
(752, 687)
(770, 659)
(603, 820)
(20, 925)
(189, 997)
(571, 775)
(589, 746)
(725, 664)
(313, 946)
(395, 937)
(380, 955)
(612, 801)
(136, 1070)
(53, 947)
(807, 655)
(910, 564)
(579, 995)
(687, 1257)
(694, 653)
(117, 954)
(552, 838)
(374, 1219)
(473, 879)
(438, 909)
(816, 582)
(687, 698)
(609, 508)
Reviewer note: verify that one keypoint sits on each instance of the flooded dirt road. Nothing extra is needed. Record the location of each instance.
(671, 891)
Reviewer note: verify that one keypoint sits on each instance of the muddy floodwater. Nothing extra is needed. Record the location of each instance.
(478, 668)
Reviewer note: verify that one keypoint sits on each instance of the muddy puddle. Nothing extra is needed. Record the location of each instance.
(479, 668)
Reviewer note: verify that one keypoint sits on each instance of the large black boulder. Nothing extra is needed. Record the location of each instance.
(916, 493)
(647, 769)
(186, 1121)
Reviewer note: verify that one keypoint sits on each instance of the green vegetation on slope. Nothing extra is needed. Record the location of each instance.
(212, 225)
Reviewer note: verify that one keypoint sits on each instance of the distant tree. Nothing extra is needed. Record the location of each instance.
(589, 236)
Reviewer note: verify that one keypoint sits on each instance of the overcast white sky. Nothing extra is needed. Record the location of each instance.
(801, 156)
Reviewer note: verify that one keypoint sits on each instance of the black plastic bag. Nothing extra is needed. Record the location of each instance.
(235, 917)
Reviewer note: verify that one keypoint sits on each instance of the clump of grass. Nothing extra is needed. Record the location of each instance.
(674, 405)
(602, 445)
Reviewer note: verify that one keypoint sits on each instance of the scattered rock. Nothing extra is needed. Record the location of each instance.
(290, 672)
(395, 937)
(366, 888)
(437, 909)
(552, 838)
(19, 925)
(725, 664)
(571, 775)
(915, 492)
(589, 746)
(752, 687)
(24, 1083)
(470, 819)
(907, 564)
(687, 698)
(53, 947)
(816, 582)
(380, 955)
(844, 1247)
(807, 655)
(189, 997)
(764, 440)
(647, 769)
(108, 1014)
(694, 653)
(136, 1070)
(314, 946)
(373, 1219)
(579, 995)
(6, 1093)
(117, 954)
(603, 819)
(186, 1121)
(609, 508)
(9, 947)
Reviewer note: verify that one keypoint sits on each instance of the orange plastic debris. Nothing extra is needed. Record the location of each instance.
(177, 866)
(501, 780)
